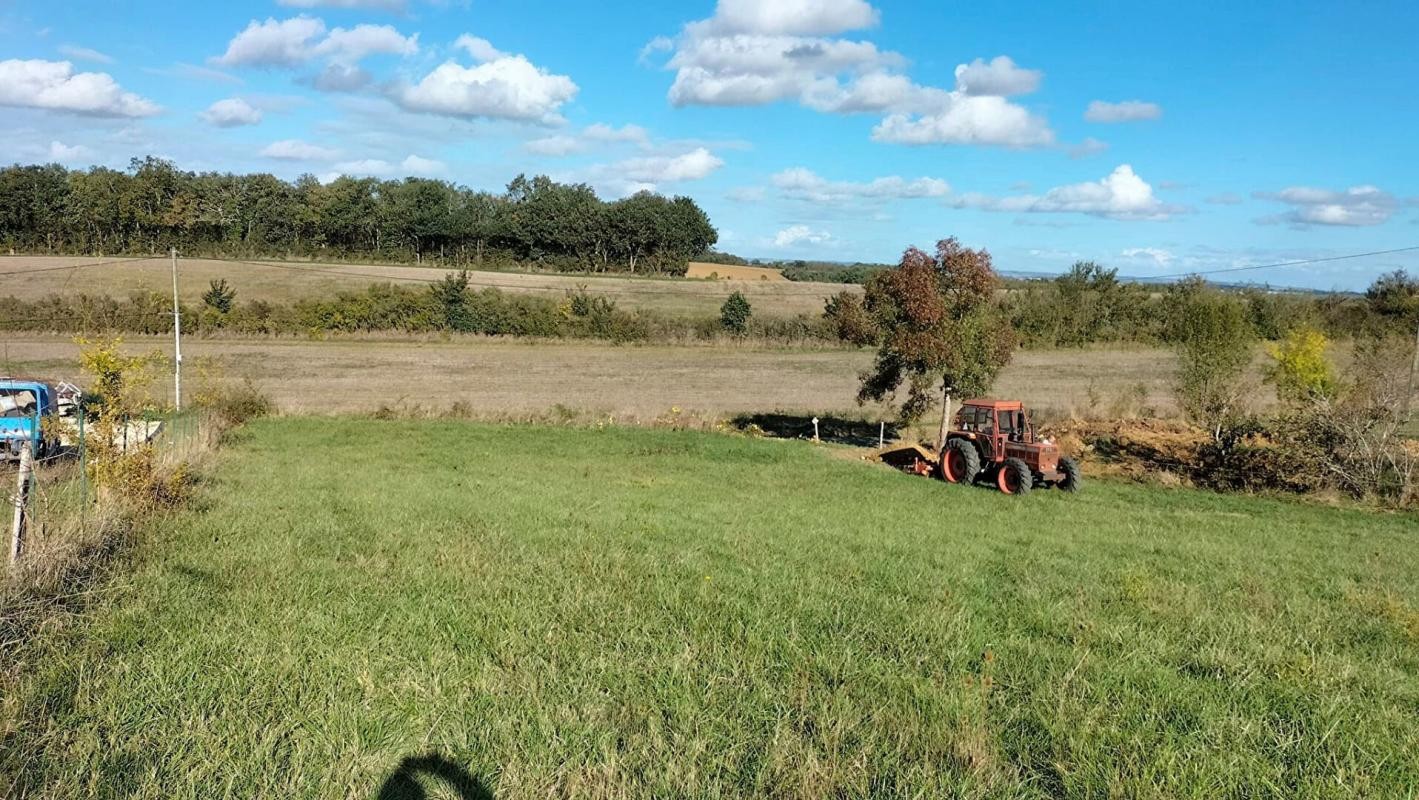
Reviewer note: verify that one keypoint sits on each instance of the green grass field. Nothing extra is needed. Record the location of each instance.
(649, 613)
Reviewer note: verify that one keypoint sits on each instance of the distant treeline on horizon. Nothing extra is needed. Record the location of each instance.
(536, 222)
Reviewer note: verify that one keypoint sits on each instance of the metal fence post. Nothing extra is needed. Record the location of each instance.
(83, 472)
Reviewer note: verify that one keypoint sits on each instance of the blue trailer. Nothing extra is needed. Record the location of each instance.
(24, 405)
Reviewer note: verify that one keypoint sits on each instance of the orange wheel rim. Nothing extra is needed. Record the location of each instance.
(955, 466)
(1008, 481)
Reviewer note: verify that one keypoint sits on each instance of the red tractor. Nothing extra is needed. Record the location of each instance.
(994, 440)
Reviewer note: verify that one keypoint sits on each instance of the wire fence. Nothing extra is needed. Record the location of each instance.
(50, 496)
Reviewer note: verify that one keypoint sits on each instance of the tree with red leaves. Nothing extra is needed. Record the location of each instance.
(942, 326)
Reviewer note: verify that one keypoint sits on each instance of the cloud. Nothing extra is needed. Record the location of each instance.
(999, 76)
(418, 165)
(1225, 199)
(296, 150)
(377, 167)
(803, 184)
(796, 235)
(293, 42)
(1089, 147)
(1122, 195)
(372, 5)
(285, 43)
(969, 120)
(66, 154)
(598, 133)
(84, 54)
(479, 48)
(508, 87)
(349, 46)
(1353, 207)
(634, 134)
(193, 72)
(792, 17)
(1127, 111)
(753, 53)
(691, 166)
(54, 85)
(1157, 255)
(231, 113)
(337, 77)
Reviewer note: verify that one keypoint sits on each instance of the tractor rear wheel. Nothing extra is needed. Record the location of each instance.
(1073, 475)
(960, 463)
(1014, 477)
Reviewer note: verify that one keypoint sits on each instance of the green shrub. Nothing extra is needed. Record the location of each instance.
(734, 314)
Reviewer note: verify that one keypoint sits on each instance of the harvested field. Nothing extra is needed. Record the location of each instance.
(731, 272)
(493, 376)
(285, 281)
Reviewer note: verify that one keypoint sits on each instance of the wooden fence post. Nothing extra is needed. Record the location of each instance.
(22, 497)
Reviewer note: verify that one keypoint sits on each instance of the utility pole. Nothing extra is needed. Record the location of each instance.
(176, 337)
(1413, 369)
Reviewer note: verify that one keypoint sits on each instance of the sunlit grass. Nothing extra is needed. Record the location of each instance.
(644, 613)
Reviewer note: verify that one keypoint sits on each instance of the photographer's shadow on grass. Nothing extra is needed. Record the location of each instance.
(429, 776)
(838, 430)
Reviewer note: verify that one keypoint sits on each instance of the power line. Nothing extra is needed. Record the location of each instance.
(1282, 264)
(7, 273)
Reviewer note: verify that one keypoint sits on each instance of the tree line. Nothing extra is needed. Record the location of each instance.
(536, 221)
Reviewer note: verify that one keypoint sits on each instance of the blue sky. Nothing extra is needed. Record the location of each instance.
(1158, 140)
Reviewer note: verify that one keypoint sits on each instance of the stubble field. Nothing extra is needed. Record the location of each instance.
(33, 277)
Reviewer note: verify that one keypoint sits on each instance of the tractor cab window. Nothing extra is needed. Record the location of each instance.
(1016, 425)
(972, 419)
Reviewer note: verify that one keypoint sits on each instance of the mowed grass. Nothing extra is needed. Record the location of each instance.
(652, 613)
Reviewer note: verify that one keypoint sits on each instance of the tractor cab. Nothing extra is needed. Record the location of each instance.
(995, 440)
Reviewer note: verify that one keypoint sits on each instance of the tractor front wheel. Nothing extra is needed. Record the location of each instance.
(960, 463)
(1014, 477)
(1073, 475)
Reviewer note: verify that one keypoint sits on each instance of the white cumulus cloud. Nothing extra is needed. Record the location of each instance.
(755, 53)
(377, 167)
(68, 154)
(297, 150)
(1354, 207)
(691, 166)
(796, 235)
(418, 165)
(983, 120)
(1121, 195)
(999, 76)
(800, 183)
(479, 48)
(508, 87)
(231, 113)
(347, 46)
(295, 41)
(1127, 111)
(793, 17)
(54, 85)
(273, 43)
(1157, 255)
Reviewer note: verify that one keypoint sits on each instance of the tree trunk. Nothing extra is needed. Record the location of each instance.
(945, 414)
